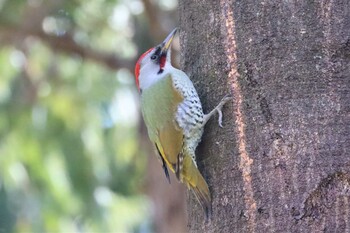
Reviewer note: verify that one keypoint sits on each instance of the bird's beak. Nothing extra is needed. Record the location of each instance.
(167, 42)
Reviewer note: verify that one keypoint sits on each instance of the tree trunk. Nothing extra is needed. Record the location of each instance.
(282, 161)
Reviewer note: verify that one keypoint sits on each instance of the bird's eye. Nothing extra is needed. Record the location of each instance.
(154, 57)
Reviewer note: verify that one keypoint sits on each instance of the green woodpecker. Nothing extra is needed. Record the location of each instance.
(173, 114)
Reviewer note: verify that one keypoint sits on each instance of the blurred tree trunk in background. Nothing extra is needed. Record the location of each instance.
(281, 162)
(168, 199)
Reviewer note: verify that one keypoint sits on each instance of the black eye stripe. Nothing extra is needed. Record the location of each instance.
(157, 52)
(156, 55)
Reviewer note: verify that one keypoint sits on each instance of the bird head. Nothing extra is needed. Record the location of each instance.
(151, 64)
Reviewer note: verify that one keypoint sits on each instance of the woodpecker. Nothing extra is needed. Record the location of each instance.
(173, 115)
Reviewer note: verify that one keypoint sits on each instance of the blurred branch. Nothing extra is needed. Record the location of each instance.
(67, 44)
(30, 25)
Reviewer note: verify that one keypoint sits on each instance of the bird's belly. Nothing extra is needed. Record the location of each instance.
(190, 119)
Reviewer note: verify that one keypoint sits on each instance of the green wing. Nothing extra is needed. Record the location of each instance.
(159, 106)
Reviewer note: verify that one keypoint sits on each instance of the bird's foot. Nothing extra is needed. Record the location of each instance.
(218, 109)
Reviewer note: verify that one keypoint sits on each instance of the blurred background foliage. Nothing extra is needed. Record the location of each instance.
(70, 156)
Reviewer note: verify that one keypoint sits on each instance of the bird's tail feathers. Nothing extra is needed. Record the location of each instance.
(197, 184)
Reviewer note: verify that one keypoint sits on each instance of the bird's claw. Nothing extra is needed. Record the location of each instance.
(219, 107)
(226, 98)
(220, 117)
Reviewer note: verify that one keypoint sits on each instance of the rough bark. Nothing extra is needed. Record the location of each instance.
(281, 163)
